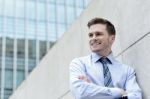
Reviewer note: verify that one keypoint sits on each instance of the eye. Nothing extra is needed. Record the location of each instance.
(98, 33)
(90, 35)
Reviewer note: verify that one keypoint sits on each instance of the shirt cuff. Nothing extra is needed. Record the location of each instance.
(115, 92)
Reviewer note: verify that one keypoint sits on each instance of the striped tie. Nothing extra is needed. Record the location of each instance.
(107, 76)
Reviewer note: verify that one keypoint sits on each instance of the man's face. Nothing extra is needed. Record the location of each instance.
(99, 39)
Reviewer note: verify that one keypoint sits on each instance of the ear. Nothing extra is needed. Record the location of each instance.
(113, 37)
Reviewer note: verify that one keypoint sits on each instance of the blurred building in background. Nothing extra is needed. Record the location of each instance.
(28, 29)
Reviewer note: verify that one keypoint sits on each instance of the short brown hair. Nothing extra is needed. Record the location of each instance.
(110, 27)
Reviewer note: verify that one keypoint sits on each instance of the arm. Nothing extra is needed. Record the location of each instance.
(82, 89)
(132, 87)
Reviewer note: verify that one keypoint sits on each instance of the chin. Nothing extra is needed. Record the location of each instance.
(95, 50)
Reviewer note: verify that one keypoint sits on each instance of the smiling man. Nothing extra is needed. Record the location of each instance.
(99, 75)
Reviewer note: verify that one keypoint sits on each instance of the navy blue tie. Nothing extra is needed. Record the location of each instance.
(107, 76)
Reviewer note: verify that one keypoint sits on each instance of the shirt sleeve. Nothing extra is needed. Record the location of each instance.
(85, 90)
(132, 88)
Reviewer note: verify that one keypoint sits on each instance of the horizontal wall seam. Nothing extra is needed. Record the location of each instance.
(133, 44)
(64, 94)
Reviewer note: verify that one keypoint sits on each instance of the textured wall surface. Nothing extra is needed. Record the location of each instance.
(50, 79)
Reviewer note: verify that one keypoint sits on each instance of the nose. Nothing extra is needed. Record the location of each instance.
(94, 36)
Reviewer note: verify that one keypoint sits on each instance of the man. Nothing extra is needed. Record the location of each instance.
(99, 75)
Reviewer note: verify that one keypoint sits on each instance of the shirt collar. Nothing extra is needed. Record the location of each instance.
(96, 57)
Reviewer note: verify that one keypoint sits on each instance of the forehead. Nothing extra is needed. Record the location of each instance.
(97, 27)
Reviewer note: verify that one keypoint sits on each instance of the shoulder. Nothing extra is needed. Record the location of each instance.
(79, 62)
(124, 66)
(81, 59)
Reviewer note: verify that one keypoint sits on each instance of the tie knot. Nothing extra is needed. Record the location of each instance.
(104, 60)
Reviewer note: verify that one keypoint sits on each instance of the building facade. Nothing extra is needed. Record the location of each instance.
(28, 29)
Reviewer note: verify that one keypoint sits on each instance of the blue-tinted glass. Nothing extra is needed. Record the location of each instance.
(0, 54)
(9, 47)
(70, 2)
(41, 12)
(79, 3)
(70, 14)
(52, 1)
(9, 26)
(0, 76)
(9, 8)
(8, 78)
(61, 29)
(79, 10)
(9, 53)
(43, 1)
(20, 48)
(20, 28)
(42, 49)
(20, 76)
(8, 62)
(1, 25)
(61, 14)
(1, 7)
(41, 30)
(7, 93)
(51, 43)
(31, 54)
(20, 8)
(30, 10)
(52, 32)
(30, 29)
(51, 13)
(60, 2)
(86, 2)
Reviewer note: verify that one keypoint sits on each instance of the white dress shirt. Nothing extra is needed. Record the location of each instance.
(123, 76)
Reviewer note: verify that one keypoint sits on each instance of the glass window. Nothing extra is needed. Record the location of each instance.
(70, 14)
(9, 47)
(20, 8)
(42, 49)
(30, 29)
(42, 1)
(9, 26)
(51, 43)
(20, 28)
(79, 3)
(7, 93)
(1, 25)
(52, 32)
(70, 2)
(9, 8)
(51, 13)
(1, 7)
(61, 2)
(61, 29)
(41, 30)
(20, 76)
(32, 54)
(9, 53)
(21, 54)
(0, 48)
(30, 8)
(8, 78)
(0, 77)
(52, 1)
(79, 11)
(41, 11)
(61, 14)
(86, 2)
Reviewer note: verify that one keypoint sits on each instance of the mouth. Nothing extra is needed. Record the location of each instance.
(95, 43)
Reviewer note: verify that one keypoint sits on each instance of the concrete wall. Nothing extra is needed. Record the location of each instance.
(50, 79)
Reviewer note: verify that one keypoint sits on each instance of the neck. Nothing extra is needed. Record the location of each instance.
(104, 53)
